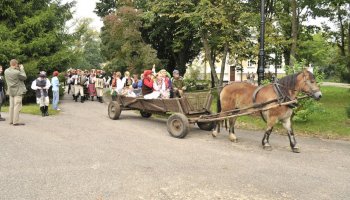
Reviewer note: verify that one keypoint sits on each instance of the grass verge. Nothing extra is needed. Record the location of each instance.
(32, 109)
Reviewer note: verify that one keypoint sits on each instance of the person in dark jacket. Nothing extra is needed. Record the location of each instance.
(2, 91)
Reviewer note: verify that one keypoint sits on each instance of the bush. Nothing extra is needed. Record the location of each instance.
(306, 106)
(348, 111)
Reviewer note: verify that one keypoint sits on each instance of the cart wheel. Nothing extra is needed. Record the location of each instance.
(178, 125)
(114, 110)
(145, 114)
(206, 126)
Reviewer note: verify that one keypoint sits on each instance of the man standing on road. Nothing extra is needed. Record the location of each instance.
(15, 77)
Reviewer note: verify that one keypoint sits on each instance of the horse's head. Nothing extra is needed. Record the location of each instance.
(308, 85)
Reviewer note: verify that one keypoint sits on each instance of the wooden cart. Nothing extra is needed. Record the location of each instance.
(182, 111)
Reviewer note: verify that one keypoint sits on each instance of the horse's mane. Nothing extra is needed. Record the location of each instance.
(289, 82)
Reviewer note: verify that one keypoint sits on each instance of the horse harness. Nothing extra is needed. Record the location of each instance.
(281, 95)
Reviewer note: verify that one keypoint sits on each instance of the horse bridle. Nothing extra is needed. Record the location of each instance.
(308, 83)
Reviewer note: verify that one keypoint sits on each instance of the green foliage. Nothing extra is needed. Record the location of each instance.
(306, 107)
(32, 109)
(33, 32)
(348, 111)
(122, 44)
(86, 46)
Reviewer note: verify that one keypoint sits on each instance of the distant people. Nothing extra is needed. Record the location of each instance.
(91, 85)
(15, 77)
(2, 91)
(99, 85)
(79, 80)
(178, 84)
(55, 90)
(41, 86)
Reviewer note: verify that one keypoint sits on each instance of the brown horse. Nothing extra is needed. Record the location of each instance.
(242, 95)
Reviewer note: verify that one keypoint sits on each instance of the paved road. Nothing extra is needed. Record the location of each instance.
(81, 154)
(342, 85)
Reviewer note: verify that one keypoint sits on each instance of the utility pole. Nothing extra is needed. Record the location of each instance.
(261, 67)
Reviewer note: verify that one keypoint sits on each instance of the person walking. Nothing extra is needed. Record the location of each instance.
(15, 77)
(55, 90)
(2, 93)
(41, 86)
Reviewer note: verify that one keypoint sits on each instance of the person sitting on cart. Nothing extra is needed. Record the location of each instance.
(164, 84)
(137, 85)
(178, 84)
(147, 82)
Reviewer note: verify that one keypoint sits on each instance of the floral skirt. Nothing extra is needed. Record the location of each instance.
(92, 90)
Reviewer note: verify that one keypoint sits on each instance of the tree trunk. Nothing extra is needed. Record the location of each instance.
(294, 32)
(342, 33)
(223, 64)
(208, 55)
(349, 45)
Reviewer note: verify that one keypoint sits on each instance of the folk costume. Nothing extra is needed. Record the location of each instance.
(79, 80)
(41, 86)
(91, 86)
(147, 83)
(99, 85)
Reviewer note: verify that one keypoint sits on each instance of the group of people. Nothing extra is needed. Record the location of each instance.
(15, 76)
(86, 85)
(162, 85)
(150, 85)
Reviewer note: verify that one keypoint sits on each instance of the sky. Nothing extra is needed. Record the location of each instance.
(85, 9)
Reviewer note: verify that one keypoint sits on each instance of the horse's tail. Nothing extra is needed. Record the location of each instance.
(218, 106)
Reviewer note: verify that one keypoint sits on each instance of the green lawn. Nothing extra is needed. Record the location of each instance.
(32, 109)
(333, 123)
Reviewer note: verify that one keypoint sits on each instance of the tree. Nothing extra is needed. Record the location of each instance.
(34, 33)
(221, 25)
(173, 50)
(122, 44)
(86, 46)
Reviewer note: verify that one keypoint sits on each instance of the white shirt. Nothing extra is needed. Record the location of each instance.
(47, 86)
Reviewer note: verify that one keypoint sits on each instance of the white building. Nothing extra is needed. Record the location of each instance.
(232, 68)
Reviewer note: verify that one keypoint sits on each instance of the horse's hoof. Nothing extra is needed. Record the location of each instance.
(267, 147)
(232, 138)
(296, 149)
(214, 133)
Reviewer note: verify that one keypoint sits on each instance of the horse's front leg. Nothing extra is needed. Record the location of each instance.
(216, 129)
(266, 139)
(271, 121)
(232, 135)
(287, 124)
